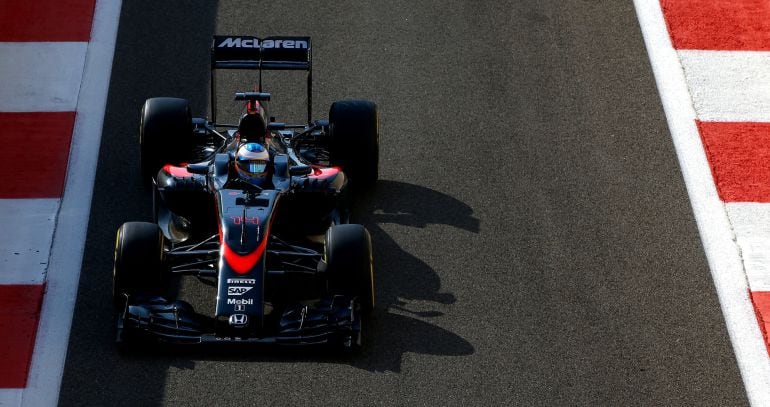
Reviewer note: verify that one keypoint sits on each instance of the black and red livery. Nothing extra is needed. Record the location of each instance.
(288, 266)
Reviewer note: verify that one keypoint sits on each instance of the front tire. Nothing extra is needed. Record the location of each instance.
(348, 255)
(139, 266)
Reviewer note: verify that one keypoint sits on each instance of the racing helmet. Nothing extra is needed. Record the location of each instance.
(251, 163)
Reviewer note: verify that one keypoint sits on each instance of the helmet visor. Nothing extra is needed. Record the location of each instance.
(253, 167)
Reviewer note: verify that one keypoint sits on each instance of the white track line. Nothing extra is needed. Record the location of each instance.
(25, 243)
(10, 397)
(69, 237)
(715, 230)
(40, 76)
(729, 86)
(751, 222)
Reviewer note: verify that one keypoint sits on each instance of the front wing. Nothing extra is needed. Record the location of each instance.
(334, 321)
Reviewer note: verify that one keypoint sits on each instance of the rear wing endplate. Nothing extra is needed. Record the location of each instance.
(269, 53)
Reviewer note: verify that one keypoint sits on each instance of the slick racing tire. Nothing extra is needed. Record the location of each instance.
(165, 134)
(354, 140)
(348, 255)
(139, 266)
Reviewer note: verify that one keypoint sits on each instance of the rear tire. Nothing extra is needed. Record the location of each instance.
(165, 134)
(139, 266)
(348, 255)
(355, 140)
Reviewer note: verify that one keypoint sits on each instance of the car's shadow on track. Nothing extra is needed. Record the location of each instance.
(409, 290)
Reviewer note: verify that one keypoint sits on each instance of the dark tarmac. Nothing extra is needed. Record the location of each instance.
(533, 237)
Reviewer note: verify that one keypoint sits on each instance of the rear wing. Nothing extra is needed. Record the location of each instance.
(269, 53)
(243, 52)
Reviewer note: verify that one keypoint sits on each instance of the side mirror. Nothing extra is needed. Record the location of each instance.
(198, 168)
(299, 170)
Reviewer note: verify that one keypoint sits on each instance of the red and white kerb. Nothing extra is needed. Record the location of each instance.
(711, 60)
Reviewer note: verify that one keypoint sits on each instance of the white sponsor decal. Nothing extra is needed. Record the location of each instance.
(238, 42)
(241, 281)
(239, 319)
(233, 301)
(238, 290)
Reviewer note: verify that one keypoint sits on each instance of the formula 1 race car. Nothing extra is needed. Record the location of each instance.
(260, 209)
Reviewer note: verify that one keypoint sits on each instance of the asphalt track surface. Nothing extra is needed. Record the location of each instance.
(534, 241)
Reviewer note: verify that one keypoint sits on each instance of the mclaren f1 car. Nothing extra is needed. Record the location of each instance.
(260, 209)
